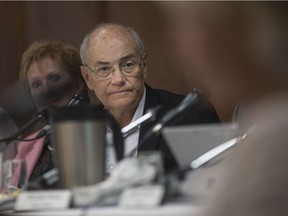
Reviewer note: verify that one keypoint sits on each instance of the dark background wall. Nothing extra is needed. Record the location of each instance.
(23, 22)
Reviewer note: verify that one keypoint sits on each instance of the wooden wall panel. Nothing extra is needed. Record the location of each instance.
(10, 40)
(147, 19)
(24, 22)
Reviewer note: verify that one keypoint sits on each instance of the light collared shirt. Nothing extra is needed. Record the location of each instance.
(130, 143)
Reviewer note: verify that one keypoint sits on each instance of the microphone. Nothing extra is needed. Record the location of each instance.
(190, 100)
(77, 100)
(42, 116)
(193, 98)
(132, 127)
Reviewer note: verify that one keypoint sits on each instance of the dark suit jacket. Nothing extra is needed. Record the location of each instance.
(197, 114)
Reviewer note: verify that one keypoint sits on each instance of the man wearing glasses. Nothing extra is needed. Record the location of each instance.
(114, 67)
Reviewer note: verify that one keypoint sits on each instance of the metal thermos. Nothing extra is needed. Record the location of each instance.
(78, 135)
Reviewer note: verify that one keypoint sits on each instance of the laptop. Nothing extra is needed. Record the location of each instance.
(187, 143)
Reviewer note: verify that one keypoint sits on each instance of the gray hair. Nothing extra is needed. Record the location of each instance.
(86, 41)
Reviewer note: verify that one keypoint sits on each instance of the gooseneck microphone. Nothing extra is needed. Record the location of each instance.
(193, 98)
(78, 99)
(42, 116)
(133, 126)
(190, 100)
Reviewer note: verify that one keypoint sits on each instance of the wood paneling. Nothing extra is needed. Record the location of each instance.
(24, 22)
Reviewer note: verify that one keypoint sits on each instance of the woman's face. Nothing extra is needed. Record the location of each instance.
(50, 84)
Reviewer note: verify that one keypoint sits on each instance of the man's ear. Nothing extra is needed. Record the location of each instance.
(144, 65)
(86, 77)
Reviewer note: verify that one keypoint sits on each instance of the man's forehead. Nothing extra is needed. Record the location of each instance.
(110, 45)
(112, 35)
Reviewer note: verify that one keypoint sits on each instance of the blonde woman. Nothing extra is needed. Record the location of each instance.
(51, 69)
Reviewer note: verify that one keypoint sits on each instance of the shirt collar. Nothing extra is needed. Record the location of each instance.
(140, 108)
(139, 111)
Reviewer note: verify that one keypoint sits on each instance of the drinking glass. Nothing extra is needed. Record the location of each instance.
(14, 172)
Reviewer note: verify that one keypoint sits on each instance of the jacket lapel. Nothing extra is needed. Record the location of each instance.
(151, 101)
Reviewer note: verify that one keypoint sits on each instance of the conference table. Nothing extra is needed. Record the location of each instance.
(197, 187)
(170, 209)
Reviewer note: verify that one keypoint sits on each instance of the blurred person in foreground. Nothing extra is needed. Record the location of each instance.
(114, 67)
(253, 176)
(52, 71)
(8, 151)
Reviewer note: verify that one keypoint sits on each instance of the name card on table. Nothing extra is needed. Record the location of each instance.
(45, 199)
(143, 196)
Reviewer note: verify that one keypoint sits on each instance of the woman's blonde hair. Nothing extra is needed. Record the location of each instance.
(64, 54)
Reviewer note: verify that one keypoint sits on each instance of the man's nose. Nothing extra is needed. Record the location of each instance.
(117, 76)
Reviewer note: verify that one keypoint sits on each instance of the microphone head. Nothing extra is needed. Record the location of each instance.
(195, 96)
(203, 95)
(43, 115)
(79, 99)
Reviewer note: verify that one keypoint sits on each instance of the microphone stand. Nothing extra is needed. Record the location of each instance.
(190, 100)
(132, 127)
(42, 116)
(77, 100)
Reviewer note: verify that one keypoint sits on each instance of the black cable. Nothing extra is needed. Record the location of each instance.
(78, 99)
(42, 116)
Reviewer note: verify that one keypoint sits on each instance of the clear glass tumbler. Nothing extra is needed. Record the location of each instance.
(14, 172)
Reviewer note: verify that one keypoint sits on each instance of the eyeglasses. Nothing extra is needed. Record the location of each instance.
(127, 68)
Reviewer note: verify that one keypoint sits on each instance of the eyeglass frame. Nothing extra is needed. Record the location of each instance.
(112, 68)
